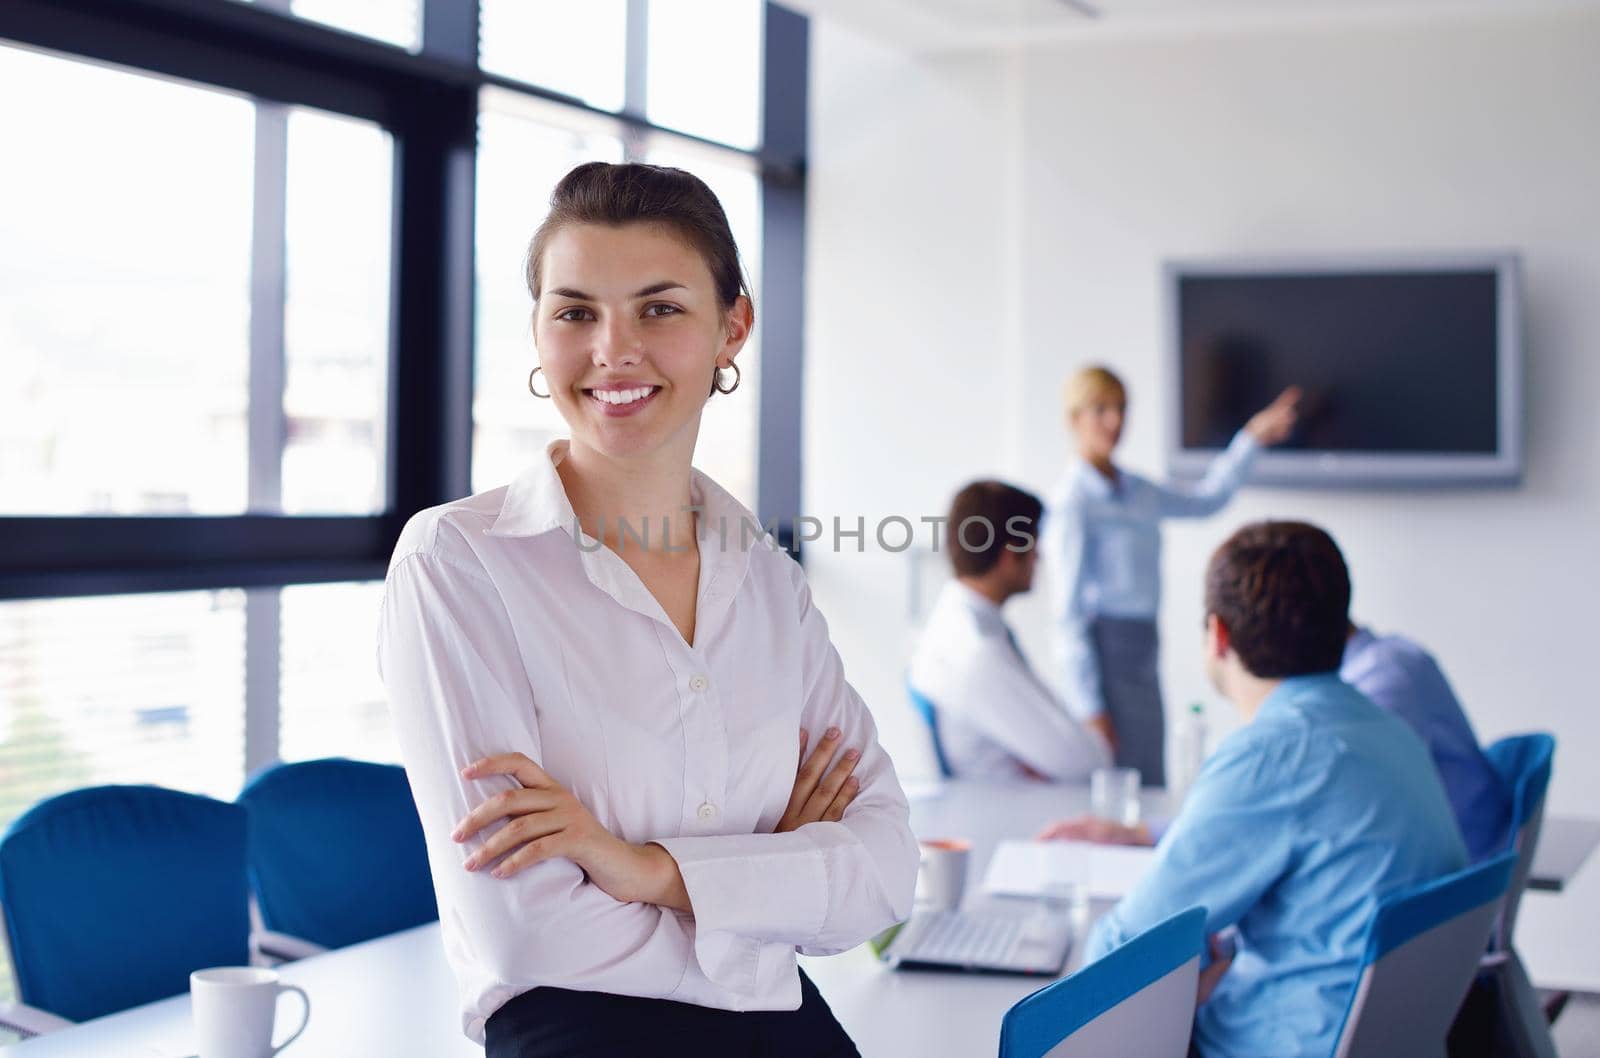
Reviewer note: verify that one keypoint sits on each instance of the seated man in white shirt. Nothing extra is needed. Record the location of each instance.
(996, 719)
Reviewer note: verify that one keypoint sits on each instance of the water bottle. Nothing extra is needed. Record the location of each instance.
(1189, 750)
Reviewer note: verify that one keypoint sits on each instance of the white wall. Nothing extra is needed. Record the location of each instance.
(906, 295)
(1473, 133)
(1423, 135)
(980, 225)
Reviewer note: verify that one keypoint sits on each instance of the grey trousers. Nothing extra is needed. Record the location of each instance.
(1127, 650)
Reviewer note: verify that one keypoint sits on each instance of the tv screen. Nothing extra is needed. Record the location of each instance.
(1408, 370)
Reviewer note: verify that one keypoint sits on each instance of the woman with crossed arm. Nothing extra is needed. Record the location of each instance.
(605, 688)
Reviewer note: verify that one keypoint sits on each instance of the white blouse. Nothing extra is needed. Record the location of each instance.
(505, 628)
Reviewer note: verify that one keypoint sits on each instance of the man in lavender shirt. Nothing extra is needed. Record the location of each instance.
(1402, 678)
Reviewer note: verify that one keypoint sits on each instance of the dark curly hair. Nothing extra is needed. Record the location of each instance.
(1283, 591)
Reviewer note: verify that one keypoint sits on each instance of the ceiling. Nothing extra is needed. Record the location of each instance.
(942, 25)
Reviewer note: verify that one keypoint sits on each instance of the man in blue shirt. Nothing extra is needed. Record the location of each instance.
(1301, 819)
(1402, 678)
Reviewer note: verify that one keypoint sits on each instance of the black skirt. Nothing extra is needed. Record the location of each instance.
(1128, 652)
(561, 1023)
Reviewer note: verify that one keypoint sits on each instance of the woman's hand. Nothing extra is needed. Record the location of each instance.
(1222, 951)
(1272, 424)
(820, 792)
(1101, 724)
(1100, 831)
(545, 821)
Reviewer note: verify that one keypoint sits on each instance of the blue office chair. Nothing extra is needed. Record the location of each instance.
(336, 851)
(1423, 946)
(1136, 1002)
(930, 717)
(113, 895)
(1503, 993)
(1524, 764)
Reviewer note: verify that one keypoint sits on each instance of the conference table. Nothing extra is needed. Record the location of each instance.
(395, 996)
(919, 1012)
(1565, 842)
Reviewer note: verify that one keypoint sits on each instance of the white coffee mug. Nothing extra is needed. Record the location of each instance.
(942, 873)
(234, 1008)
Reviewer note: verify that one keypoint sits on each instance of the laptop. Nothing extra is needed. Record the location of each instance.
(1032, 941)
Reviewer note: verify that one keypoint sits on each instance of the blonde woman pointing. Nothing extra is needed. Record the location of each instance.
(1102, 541)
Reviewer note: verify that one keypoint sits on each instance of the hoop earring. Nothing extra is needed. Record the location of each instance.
(716, 379)
(536, 393)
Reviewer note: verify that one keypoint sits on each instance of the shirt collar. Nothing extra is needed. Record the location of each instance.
(973, 597)
(1359, 641)
(981, 606)
(1298, 690)
(536, 503)
(1091, 480)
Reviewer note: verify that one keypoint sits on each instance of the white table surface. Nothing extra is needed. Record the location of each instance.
(906, 1012)
(1565, 843)
(926, 1013)
(395, 996)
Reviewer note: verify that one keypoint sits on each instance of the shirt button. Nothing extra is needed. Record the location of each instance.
(708, 811)
(698, 683)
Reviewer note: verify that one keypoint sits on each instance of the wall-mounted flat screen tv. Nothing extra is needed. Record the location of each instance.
(1410, 366)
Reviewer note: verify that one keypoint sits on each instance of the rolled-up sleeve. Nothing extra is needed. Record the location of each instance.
(457, 691)
(827, 886)
(1223, 478)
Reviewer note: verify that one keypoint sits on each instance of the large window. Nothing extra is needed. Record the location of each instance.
(330, 700)
(704, 57)
(156, 368)
(124, 291)
(391, 21)
(336, 314)
(154, 688)
(120, 689)
(261, 300)
(578, 50)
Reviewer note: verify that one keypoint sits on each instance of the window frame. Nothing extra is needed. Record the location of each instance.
(428, 101)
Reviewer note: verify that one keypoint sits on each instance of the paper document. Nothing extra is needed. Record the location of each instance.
(1046, 868)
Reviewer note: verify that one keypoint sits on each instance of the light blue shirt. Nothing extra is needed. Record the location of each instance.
(1401, 677)
(1102, 548)
(1296, 825)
